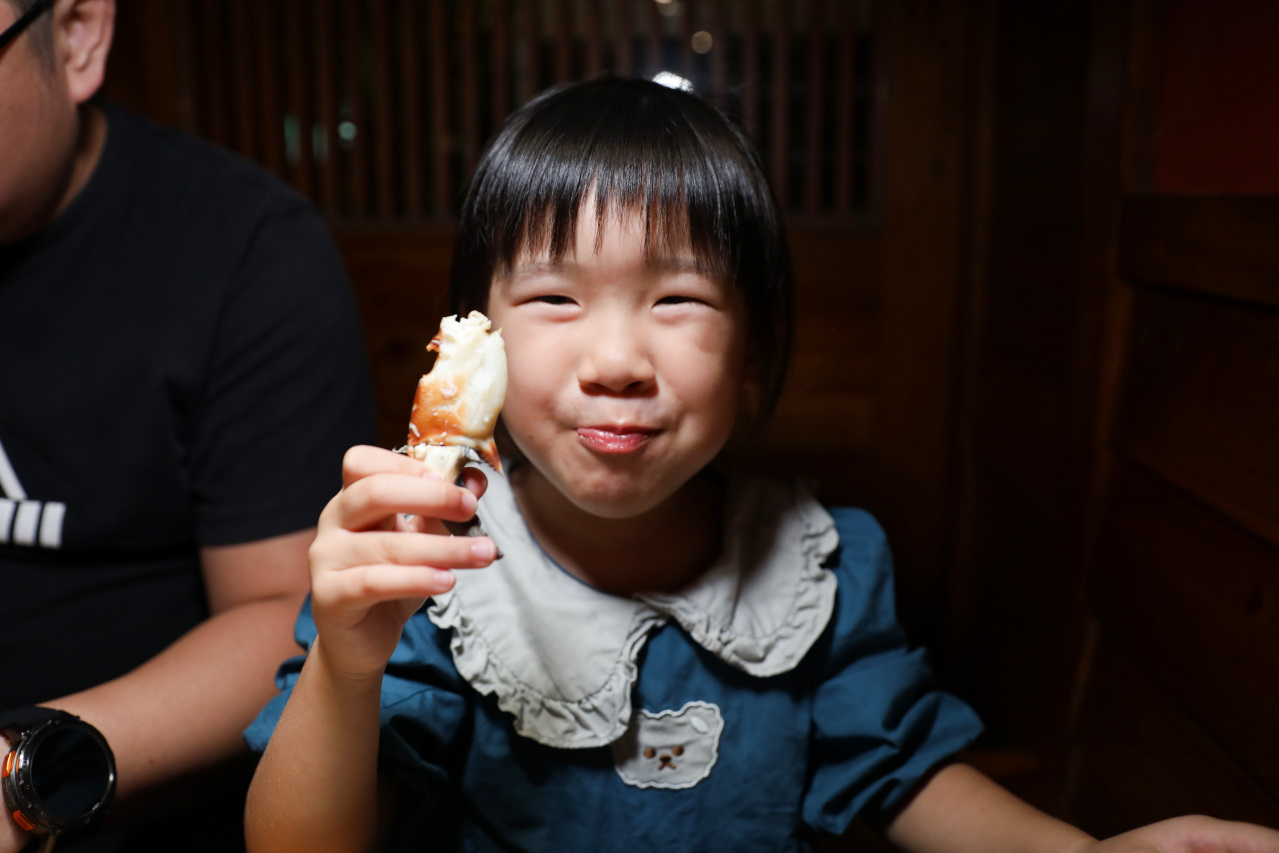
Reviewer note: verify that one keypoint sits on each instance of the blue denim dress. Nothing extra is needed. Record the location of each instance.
(774, 697)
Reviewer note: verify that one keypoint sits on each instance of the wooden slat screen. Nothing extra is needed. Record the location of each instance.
(378, 109)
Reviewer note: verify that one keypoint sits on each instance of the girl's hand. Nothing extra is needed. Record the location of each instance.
(1192, 834)
(381, 551)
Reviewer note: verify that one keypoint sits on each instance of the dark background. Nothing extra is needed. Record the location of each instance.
(1037, 248)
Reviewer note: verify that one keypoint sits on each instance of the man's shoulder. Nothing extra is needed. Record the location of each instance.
(182, 167)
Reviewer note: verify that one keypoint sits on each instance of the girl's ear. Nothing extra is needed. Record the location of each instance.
(82, 32)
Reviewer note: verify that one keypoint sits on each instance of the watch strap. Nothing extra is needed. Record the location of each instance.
(23, 720)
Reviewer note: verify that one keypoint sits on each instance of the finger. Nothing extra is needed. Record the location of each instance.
(472, 479)
(369, 501)
(1237, 837)
(364, 460)
(475, 480)
(374, 584)
(406, 549)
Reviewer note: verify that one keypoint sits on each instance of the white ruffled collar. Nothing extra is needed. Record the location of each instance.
(560, 656)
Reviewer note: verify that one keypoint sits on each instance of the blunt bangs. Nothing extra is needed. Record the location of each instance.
(637, 149)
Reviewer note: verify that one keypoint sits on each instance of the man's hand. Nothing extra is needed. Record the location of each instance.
(1192, 834)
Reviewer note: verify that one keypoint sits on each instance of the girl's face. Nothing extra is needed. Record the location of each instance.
(625, 375)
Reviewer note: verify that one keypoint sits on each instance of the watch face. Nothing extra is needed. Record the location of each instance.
(70, 772)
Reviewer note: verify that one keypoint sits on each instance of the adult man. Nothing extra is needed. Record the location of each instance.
(180, 370)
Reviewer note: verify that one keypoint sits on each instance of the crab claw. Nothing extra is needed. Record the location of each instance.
(458, 402)
(488, 452)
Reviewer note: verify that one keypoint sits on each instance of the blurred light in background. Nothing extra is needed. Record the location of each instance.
(673, 81)
(702, 42)
(346, 133)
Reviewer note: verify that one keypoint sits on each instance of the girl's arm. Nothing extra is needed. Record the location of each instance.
(315, 788)
(372, 567)
(960, 810)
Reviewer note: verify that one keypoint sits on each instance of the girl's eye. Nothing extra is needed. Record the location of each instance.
(677, 300)
(552, 299)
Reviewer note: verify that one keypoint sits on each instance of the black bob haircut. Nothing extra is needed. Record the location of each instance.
(644, 149)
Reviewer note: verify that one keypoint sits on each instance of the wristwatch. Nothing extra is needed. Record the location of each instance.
(59, 775)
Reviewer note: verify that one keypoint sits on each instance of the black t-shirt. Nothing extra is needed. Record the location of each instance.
(181, 364)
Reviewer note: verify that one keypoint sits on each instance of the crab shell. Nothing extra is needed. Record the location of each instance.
(458, 402)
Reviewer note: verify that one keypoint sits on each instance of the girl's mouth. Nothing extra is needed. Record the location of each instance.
(622, 439)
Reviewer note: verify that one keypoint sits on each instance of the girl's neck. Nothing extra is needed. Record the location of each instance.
(662, 550)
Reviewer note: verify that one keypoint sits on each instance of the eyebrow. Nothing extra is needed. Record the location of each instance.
(675, 265)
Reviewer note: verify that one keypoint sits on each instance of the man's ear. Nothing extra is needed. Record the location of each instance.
(82, 31)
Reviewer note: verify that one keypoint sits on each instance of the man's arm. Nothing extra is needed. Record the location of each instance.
(184, 710)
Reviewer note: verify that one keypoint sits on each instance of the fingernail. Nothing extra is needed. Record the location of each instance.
(469, 502)
(483, 549)
(445, 578)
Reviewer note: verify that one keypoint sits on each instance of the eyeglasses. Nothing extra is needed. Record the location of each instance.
(15, 29)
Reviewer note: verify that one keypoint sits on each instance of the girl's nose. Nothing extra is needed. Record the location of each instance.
(616, 360)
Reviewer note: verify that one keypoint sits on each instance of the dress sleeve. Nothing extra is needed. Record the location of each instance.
(287, 387)
(424, 709)
(879, 721)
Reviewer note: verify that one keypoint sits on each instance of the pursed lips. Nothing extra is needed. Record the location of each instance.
(624, 438)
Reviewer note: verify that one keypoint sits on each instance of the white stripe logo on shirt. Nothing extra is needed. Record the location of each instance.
(23, 521)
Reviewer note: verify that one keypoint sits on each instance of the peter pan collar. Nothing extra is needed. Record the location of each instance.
(560, 656)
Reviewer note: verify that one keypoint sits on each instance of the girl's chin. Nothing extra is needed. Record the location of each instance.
(632, 498)
(616, 503)
(613, 488)
(611, 495)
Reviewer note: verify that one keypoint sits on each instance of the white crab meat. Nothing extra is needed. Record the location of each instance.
(457, 403)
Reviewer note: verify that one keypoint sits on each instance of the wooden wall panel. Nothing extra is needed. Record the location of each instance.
(1033, 284)
(1186, 575)
(923, 180)
(1195, 600)
(1201, 403)
(1185, 570)
(1217, 245)
(1022, 636)
(1218, 126)
(1018, 626)
(1022, 426)
(1143, 760)
(401, 282)
(825, 427)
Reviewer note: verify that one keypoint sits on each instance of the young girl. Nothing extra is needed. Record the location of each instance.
(665, 657)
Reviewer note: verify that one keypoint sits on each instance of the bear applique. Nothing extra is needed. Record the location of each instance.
(669, 749)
